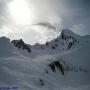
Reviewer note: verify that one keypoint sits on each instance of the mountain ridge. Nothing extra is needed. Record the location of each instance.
(67, 39)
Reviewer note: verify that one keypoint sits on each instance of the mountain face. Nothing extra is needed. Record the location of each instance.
(61, 64)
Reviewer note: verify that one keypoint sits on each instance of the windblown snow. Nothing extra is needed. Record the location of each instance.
(61, 64)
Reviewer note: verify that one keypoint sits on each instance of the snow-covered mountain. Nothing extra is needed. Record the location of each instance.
(67, 40)
(61, 64)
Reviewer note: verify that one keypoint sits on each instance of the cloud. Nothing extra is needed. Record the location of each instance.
(50, 17)
(36, 35)
(46, 25)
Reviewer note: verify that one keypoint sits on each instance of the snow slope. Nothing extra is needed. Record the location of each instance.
(34, 70)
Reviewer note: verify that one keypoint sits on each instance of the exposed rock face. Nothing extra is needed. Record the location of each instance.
(58, 65)
(20, 44)
(63, 67)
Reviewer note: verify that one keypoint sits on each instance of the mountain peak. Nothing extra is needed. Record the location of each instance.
(66, 33)
(4, 39)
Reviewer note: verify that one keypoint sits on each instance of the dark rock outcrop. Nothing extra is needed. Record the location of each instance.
(20, 44)
(58, 65)
(42, 82)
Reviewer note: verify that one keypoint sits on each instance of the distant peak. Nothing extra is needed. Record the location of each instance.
(68, 33)
(20, 41)
(4, 38)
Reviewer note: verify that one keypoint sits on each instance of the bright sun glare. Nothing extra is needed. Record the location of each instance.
(20, 12)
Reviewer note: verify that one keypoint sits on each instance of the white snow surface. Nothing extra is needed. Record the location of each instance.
(27, 70)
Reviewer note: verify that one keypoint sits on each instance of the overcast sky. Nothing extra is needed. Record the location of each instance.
(46, 19)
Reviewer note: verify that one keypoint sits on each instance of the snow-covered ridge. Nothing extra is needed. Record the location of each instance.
(6, 47)
(65, 41)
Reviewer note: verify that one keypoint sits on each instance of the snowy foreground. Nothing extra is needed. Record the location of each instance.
(61, 64)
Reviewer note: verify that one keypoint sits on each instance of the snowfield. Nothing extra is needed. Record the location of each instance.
(61, 64)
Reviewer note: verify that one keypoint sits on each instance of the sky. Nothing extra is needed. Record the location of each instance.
(38, 21)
